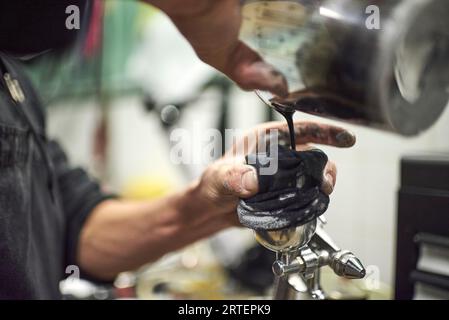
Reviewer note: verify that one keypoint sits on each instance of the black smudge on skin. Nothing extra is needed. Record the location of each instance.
(345, 139)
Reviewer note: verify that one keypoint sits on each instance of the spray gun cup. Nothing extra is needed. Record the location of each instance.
(286, 240)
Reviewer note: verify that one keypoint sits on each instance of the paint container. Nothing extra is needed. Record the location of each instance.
(384, 66)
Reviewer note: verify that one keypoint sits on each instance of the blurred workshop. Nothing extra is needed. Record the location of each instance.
(133, 90)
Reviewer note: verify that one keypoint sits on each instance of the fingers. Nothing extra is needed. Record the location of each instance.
(250, 72)
(240, 181)
(313, 132)
(325, 134)
(212, 28)
(234, 179)
(306, 132)
(329, 178)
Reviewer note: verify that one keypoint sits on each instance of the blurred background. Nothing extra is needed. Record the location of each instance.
(115, 97)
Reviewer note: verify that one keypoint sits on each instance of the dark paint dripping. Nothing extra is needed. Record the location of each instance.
(288, 113)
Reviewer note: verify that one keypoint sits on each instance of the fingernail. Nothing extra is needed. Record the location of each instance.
(345, 139)
(249, 181)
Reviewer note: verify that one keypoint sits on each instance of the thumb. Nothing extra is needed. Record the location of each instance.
(238, 180)
(250, 183)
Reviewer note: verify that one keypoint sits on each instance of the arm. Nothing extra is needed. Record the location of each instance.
(123, 235)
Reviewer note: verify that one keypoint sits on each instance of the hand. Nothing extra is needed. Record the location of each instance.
(229, 179)
(212, 28)
(122, 235)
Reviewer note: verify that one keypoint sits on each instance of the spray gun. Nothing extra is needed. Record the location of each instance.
(315, 251)
(303, 251)
(286, 216)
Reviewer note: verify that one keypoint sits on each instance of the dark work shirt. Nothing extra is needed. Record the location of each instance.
(38, 232)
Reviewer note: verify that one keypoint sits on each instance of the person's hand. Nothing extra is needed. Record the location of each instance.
(123, 235)
(229, 178)
(212, 28)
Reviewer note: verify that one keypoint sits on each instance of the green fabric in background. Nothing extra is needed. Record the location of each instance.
(72, 76)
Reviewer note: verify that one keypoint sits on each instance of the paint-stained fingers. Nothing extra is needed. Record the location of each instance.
(260, 138)
(250, 72)
(226, 178)
(310, 132)
(325, 134)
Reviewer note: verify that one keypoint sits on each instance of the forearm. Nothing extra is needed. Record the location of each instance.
(124, 235)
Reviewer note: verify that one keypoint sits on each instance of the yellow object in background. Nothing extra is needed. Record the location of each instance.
(147, 187)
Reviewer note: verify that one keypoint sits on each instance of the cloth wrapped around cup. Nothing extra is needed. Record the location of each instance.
(291, 196)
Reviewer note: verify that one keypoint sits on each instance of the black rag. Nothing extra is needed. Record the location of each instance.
(291, 196)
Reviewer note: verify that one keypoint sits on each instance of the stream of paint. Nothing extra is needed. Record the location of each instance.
(288, 113)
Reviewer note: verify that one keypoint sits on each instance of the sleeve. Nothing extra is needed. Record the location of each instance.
(79, 195)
